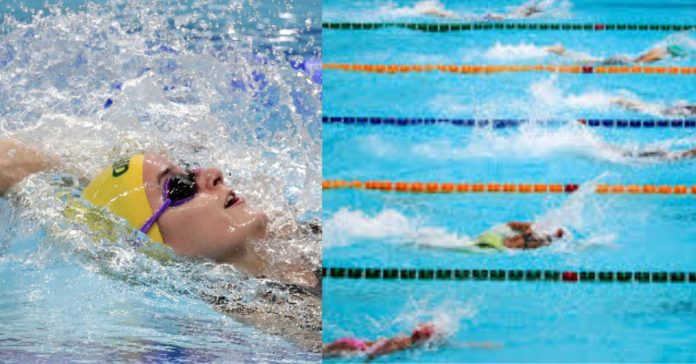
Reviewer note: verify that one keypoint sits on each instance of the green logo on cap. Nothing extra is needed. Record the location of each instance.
(120, 167)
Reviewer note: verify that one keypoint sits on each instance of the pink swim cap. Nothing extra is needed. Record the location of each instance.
(423, 332)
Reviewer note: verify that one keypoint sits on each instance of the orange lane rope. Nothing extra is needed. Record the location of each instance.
(483, 69)
(449, 187)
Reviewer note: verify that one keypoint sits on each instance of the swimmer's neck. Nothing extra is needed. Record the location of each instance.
(248, 260)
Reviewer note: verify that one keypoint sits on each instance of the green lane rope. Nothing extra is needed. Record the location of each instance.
(508, 275)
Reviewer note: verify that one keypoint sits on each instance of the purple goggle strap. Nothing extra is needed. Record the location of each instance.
(167, 202)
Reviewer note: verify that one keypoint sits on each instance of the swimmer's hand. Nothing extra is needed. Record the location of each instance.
(19, 160)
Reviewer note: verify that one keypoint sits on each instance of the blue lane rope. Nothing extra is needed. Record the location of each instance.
(509, 123)
(509, 275)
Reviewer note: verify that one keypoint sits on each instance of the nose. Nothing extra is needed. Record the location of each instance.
(209, 178)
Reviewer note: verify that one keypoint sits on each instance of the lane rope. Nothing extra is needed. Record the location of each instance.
(508, 123)
(486, 69)
(452, 27)
(571, 276)
(494, 187)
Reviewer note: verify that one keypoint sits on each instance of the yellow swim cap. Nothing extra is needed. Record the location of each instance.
(122, 190)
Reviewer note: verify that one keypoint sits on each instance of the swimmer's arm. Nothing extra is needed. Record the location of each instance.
(652, 55)
(388, 346)
(19, 160)
(519, 226)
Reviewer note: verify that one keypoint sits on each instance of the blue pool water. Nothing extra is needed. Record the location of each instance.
(530, 321)
(207, 83)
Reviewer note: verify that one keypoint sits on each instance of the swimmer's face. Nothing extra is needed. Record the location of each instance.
(206, 225)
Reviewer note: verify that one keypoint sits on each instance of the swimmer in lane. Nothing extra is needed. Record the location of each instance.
(348, 346)
(526, 10)
(662, 154)
(192, 211)
(529, 9)
(653, 55)
(515, 235)
(677, 109)
(421, 335)
(196, 214)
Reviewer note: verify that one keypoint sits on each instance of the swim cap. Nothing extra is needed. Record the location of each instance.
(422, 333)
(122, 190)
(676, 50)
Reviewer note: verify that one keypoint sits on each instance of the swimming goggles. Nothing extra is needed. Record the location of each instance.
(177, 190)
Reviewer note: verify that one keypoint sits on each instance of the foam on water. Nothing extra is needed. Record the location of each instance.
(523, 51)
(388, 225)
(111, 80)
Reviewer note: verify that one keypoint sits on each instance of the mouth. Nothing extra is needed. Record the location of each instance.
(233, 199)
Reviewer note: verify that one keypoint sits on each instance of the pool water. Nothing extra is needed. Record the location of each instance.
(208, 83)
(527, 321)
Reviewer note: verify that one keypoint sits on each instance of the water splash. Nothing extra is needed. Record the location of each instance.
(390, 225)
(447, 316)
(582, 216)
(525, 51)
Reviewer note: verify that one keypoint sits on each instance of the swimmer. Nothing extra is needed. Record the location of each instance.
(515, 235)
(526, 10)
(650, 56)
(657, 154)
(678, 109)
(192, 211)
(421, 335)
(662, 154)
(351, 346)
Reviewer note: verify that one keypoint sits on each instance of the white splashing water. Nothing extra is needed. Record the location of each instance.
(447, 316)
(390, 225)
(523, 51)
(581, 213)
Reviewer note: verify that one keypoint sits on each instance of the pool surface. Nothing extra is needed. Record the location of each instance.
(524, 321)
